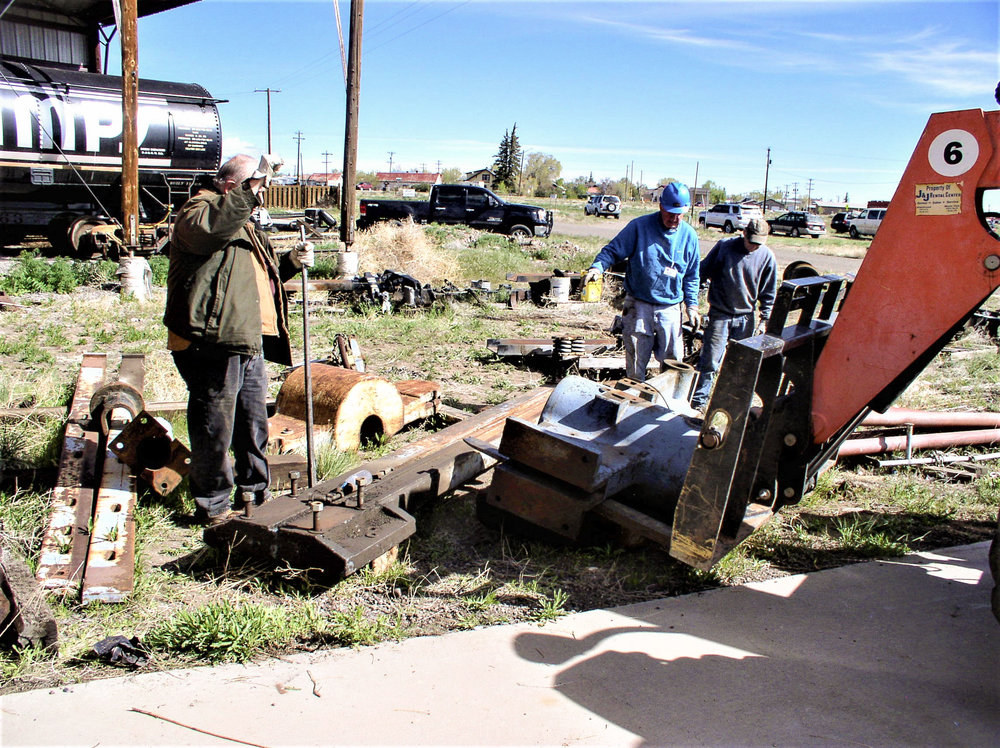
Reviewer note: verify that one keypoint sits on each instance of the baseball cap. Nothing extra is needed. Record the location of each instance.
(756, 230)
(675, 198)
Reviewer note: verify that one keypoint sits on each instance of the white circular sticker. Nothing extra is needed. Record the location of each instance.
(953, 152)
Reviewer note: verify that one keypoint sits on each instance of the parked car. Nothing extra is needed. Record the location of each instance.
(796, 223)
(603, 205)
(841, 222)
(729, 217)
(867, 222)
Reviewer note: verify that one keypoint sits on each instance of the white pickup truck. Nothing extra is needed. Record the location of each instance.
(729, 217)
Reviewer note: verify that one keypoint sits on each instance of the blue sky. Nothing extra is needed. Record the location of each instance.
(840, 91)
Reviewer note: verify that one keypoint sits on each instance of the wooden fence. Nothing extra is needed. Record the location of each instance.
(300, 196)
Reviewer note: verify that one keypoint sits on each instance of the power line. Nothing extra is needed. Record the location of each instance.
(385, 22)
(419, 25)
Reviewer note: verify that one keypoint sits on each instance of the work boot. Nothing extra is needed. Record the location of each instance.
(221, 518)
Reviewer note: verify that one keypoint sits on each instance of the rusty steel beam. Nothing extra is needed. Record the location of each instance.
(110, 573)
(64, 545)
(90, 541)
(342, 524)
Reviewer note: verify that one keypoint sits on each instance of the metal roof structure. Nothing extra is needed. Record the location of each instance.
(87, 12)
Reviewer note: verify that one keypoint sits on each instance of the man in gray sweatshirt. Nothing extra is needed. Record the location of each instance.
(742, 273)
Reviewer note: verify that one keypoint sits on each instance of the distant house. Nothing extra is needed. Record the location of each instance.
(325, 179)
(699, 195)
(397, 180)
(593, 189)
(825, 208)
(480, 178)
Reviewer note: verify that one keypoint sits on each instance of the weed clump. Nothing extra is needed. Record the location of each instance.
(32, 274)
(404, 248)
(221, 631)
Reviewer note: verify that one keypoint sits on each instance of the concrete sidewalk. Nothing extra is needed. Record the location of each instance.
(885, 653)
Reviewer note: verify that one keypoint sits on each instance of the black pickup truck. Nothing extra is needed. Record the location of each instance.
(459, 203)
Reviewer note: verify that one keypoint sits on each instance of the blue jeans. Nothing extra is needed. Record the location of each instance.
(227, 408)
(720, 330)
(650, 330)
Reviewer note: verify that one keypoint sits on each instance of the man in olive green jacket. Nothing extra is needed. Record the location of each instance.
(226, 313)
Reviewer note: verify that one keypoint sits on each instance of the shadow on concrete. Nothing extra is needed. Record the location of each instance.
(814, 660)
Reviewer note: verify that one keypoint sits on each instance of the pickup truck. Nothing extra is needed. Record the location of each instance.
(729, 217)
(459, 203)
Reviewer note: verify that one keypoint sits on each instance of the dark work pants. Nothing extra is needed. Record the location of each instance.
(721, 328)
(227, 408)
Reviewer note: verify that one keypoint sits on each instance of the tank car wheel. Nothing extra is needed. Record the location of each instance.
(78, 235)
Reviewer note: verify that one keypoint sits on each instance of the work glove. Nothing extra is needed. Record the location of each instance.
(266, 170)
(592, 274)
(302, 255)
(694, 317)
(761, 326)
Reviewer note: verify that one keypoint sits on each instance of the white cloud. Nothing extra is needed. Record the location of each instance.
(945, 67)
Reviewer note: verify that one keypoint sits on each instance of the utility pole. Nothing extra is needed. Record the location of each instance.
(767, 169)
(520, 173)
(351, 124)
(130, 134)
(268, 91)
(810, 198)
(795, 194)
(326, 166)
(298, 169)
(691, 207)
(298, 156)
(439, 166)
(391, 154)
(134, 271)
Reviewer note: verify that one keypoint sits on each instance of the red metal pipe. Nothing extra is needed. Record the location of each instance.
(880, 444)
(933, 419)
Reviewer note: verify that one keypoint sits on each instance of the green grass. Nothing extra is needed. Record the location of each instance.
(358, 628)
(226, 632)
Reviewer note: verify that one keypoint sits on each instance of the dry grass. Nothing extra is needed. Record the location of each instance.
(404, 248)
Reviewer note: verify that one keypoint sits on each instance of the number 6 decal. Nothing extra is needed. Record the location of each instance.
(953, 152)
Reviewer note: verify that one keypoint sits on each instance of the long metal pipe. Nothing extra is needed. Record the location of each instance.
(942, 440)
(933, 419)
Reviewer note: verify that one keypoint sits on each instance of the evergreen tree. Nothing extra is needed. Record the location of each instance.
(507, 162)
(501, 162)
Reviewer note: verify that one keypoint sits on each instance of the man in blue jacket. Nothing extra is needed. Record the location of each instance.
(742, 273)
(662, 273)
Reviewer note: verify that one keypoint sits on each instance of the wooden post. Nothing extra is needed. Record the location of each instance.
(351, 124)
(130, 134)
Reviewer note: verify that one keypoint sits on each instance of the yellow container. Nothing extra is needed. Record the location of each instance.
(592, 291)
